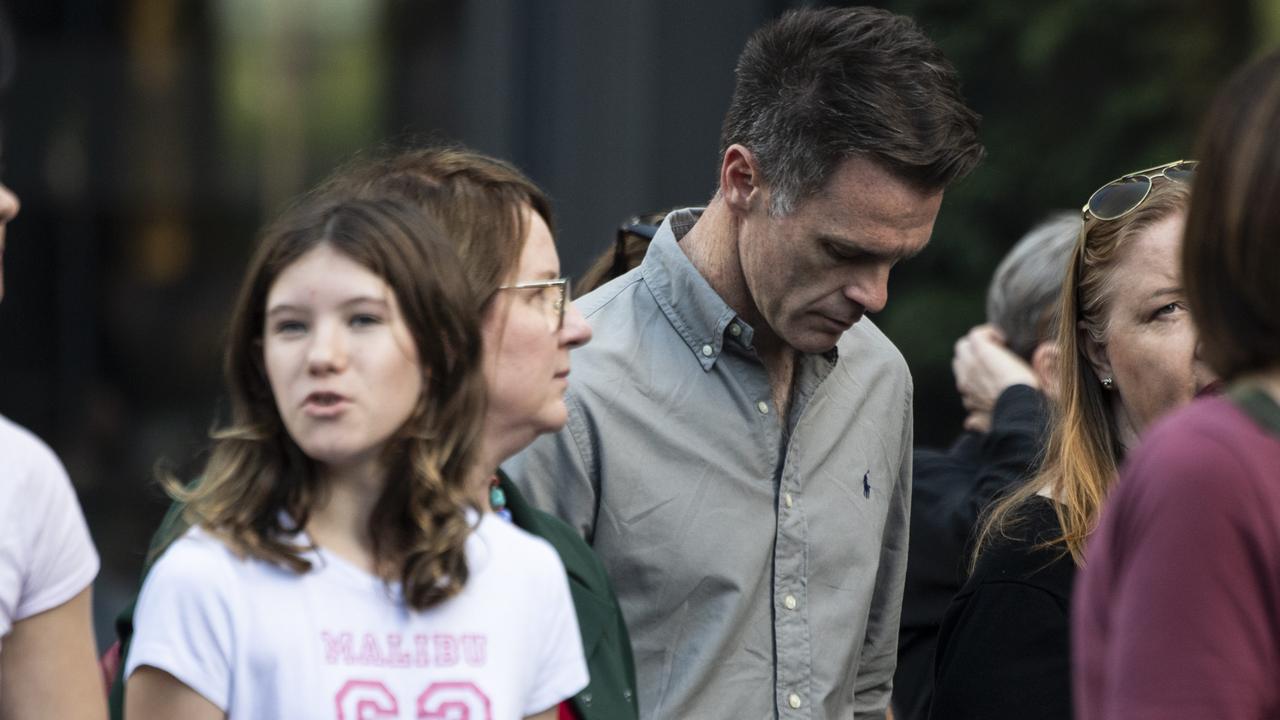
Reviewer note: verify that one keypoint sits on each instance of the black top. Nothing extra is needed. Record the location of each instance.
(1003, 651)
(949, 490)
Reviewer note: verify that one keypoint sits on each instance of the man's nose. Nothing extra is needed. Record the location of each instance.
(869, 289)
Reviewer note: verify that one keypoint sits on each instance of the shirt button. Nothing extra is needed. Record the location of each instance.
(787, 499)
(794, 701)
(735, 329)
(763, 407)
(706, 350)
(790, 602)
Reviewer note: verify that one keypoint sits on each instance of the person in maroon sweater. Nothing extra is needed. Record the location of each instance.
(1177, 610)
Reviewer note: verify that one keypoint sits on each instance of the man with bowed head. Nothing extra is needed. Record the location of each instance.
(739, 436)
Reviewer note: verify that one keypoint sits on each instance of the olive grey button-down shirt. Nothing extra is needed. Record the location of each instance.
(759, 564)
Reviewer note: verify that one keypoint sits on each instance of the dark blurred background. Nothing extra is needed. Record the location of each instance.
(148, 139)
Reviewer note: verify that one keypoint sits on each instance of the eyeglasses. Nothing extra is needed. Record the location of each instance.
(1126, 194)
(554, 296)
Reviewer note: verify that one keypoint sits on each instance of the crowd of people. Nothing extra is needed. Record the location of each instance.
(416, 510)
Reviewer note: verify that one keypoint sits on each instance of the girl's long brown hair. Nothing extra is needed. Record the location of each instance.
(258, 487)
(1083, 450)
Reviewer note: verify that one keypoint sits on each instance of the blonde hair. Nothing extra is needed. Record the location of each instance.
(1083, 450)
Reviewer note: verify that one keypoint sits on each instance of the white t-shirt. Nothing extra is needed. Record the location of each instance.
(260, 641)
(46, 555)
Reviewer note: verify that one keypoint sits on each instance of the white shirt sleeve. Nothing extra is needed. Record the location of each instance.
(185, 620)
(45, 547)
(561, 670)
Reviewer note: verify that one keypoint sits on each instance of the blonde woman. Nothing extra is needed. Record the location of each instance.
(1128, 354)
(1178, 610)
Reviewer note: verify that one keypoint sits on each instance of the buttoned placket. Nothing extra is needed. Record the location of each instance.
(792, 638)
(792, 632)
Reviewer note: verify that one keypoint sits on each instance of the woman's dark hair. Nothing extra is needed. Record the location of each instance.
(1231, 251)
(628, 250)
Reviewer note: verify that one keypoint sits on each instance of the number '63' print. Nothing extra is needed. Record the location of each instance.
(371, 700)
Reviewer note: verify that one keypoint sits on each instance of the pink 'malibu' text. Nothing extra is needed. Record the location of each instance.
(398, 650)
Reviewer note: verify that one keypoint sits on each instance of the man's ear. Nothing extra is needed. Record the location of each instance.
(740, 179)
(1095, 351)
(1045, 363)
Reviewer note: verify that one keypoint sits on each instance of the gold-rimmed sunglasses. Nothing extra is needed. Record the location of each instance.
(1127, 193)
(554, 295)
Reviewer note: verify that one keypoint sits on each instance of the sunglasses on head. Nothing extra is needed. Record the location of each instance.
(1127, 193)
(643, 227)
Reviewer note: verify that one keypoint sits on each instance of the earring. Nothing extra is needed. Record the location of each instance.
(1108, 383)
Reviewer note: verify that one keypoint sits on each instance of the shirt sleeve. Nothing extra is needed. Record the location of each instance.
(561, 668)
(183, 624)
(1007, 456)
(63, 561)
(558, 472)
(1193, 596)
(1004, 656)
(1010, 449)
(879, 658)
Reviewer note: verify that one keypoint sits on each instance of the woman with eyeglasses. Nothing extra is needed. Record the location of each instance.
(1129, 353)
(499, 224)
(1178, 610)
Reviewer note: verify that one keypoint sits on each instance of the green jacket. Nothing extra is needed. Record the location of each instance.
(611, 692)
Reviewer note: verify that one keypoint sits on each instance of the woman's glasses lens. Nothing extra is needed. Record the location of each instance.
(1182, 172)
(1115, 199)
(1121, 197)
(555, 297)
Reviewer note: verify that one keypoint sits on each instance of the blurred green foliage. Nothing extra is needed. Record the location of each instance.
(1072, 95)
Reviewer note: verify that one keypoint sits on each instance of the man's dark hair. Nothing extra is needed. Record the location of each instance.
(819, 86)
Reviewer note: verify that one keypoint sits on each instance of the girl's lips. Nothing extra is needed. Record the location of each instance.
(325, 404)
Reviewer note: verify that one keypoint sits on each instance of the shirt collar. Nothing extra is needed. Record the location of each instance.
(694, 309)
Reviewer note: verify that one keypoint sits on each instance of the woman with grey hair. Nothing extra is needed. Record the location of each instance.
(1015, 346)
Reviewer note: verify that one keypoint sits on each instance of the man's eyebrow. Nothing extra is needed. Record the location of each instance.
(854, 248)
